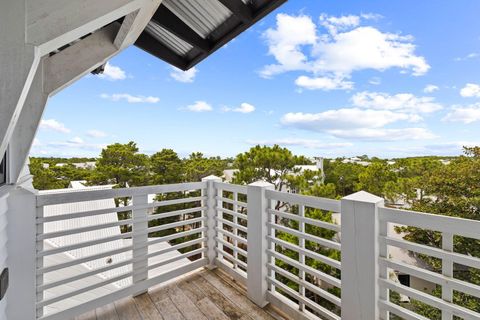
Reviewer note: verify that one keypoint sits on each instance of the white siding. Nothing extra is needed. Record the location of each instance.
(3, 245)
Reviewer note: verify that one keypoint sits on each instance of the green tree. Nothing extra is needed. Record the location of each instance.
(121, 165)
(271, 164)
(375, 177)
(197, 167)
(167, 167)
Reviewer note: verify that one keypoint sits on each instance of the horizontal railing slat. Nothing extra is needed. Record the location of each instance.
(89, 195)
(176, 258)
(175, 224)
(230, 187)
(324, 259)
(430, 300)
(227, 200)
(176, 236)
(430, 276)
(399, 311)
(83, 244)
(313, 222)
(168, 214)
(231, 235)
(83, 260)
(233, 213)
(327, 314)
(308, 201)
(228, 256)
(323, 242)
(433, 252)
(458, 226)
(231, 224)
(314, 272)
(56, 234)
(309, 286)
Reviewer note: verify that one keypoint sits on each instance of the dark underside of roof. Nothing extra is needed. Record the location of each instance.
(184, 32)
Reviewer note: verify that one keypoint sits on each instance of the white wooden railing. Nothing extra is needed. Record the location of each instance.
(109, 262)
(288, 250)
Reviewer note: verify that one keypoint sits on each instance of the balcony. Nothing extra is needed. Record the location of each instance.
(223, 238)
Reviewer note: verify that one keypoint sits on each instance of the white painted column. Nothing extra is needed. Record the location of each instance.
(21, 261)
(447, 271)
(210, 192)
(140, 240)
(360, 253)
(257, 259)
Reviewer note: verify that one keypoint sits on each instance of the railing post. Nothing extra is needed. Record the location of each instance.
(140, 241)
(22, 255)
(210, 192)
(360, 252)
(257, 258)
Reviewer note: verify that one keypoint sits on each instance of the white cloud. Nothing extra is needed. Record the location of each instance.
(382, 134)
(96, 133)
(402, 102)
(323, 83)
(347, 118)
(199, 106)
(345, 48)
(285, 41)
(469, 56)
(112, 73)
(74, 143)
(129, 98)
(470, 90)
(375, 81)
(184, 76)
(307, 143)
(243, 108)
(52, 124)
(431, 88)
(366, 121)
(466, 115)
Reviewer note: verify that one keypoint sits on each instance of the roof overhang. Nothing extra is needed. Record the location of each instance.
(185, 32)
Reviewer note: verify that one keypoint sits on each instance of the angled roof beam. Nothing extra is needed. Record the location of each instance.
(149, 44)
(171, 22)
(239, 9)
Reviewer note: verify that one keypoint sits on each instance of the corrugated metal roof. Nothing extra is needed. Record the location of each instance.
(167, 38)
(203, 16)
(184, 32)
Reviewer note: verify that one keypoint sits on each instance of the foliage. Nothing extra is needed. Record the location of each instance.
(167, 167)
(121, 165)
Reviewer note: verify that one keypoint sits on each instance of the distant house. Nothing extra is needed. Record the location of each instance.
(90, 165)
(61, 164)
(62, 209)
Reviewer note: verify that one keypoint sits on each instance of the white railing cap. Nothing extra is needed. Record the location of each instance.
(363, 196)
(261, 184)
(212, 178)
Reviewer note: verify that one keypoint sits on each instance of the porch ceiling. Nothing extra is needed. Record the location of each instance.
(185, 32)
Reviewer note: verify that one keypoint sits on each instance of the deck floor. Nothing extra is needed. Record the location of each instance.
(200, 295)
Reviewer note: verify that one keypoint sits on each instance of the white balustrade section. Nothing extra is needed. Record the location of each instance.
(448, 227)
(289, 250)
(88, 258)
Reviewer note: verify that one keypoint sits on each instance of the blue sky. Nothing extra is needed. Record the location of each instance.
(323, 78)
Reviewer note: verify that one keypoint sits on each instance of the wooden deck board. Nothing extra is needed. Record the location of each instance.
(201, 295)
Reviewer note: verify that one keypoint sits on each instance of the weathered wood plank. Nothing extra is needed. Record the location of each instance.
(190, 289)
(231, 310)
(91, 315)
(126, 309)
(146, 307)
(161, 298)
(185, 305)
(211, 310)
(107, 312)
(218, 280)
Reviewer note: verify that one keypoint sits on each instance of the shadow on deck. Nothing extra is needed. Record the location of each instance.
(198, 295)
